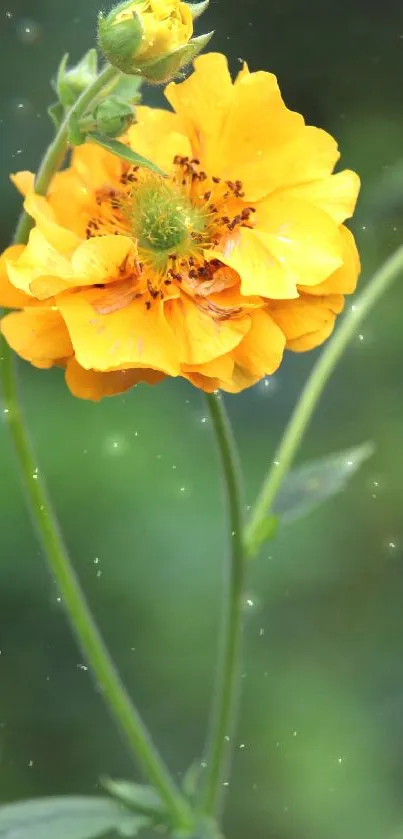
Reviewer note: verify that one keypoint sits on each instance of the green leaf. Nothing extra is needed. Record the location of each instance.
(56, 113)
(143, 799)
(69, 817)
(124, 152)
(312, 484)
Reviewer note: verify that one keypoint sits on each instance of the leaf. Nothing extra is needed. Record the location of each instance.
(143, 799)
(312, 484)
(56, 113)
(128, 88)
(124, 152)
(69, 817)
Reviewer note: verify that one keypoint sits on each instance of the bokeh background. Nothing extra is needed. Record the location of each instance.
(319, 748)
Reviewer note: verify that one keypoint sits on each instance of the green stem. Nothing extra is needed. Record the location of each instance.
(57, 150)
(228, 670)
(90, 640)
(312, 392)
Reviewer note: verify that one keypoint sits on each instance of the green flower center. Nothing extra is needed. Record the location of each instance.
(164, 221)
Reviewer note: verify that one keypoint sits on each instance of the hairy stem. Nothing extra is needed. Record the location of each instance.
(228, 669)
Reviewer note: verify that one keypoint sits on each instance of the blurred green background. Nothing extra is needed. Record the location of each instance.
(319, 749)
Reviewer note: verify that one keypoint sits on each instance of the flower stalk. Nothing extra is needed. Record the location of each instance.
(228, 669)
(303, 412)
(116, 697)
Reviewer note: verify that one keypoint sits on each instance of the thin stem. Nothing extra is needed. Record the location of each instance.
(116, 697)
(56, 152)
(227, 679)
(312, 392)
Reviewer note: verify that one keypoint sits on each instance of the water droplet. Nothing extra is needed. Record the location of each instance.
(28, 31)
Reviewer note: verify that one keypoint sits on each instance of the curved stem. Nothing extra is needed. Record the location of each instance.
(312, 392)
(56, 152)
(90, 640)
(226, 691)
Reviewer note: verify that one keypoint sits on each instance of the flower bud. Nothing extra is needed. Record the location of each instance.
(152, 38)
(70, 83)
(113, 116)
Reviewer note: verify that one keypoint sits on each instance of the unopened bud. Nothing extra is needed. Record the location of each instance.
(151, 38)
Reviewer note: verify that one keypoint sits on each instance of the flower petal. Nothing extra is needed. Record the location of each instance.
(23, 181)
(303, 238)
(344, 280)
(202, 102)
(308, 321)
(157, 135)
(38, 335)
(94, 385)
(11, 297)
(133, 336)
(335, 194)
(261, 273)
(200, 337)
(261, 350)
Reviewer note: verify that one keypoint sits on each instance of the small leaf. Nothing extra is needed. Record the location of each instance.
(313, 483)
(128, 89)
(124, 152)
(69, 817)
(56, 113)
(143, 799)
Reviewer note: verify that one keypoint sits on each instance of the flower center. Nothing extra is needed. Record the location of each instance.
(164, 219)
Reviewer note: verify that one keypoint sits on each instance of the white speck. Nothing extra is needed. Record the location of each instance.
(226, 784)
(203, 764)
(96, 560)
(82, 667)
(174, 466)
(227, 739)
(30, 764)
(58, 599)
(249, 602)
(241, 745)
(204, 420)
(339, 760)
(392, 545)
(183, 489)
(295, 733)
(360, 337)
(35, 474)
(276, 463)
(349, 462)
(261, 631)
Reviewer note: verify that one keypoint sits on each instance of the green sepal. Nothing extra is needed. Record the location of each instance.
(170, 64)
(56, 113)
(197, 9)
(120, 150)
(128, 89)
(113, 117)
(120, 41)
(71, 83)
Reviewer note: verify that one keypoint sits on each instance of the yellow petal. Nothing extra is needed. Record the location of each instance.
(10, 297)
(257, 124)
(95, 165)
(23, 181)
(335, 194)
(344, 280)
(157, 135)
(199, 336)
(303, 238)
(261, 350)
(91, 384)
(261, 273)
(202, 102)
(38, 335)
(308, 321)
(64, 240)
(39, 259)
(133, 336)
(99, 260)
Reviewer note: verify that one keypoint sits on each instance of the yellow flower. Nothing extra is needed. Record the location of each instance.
(207, 274)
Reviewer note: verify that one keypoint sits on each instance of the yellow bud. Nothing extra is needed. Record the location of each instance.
(138, 34)
(166, 24)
